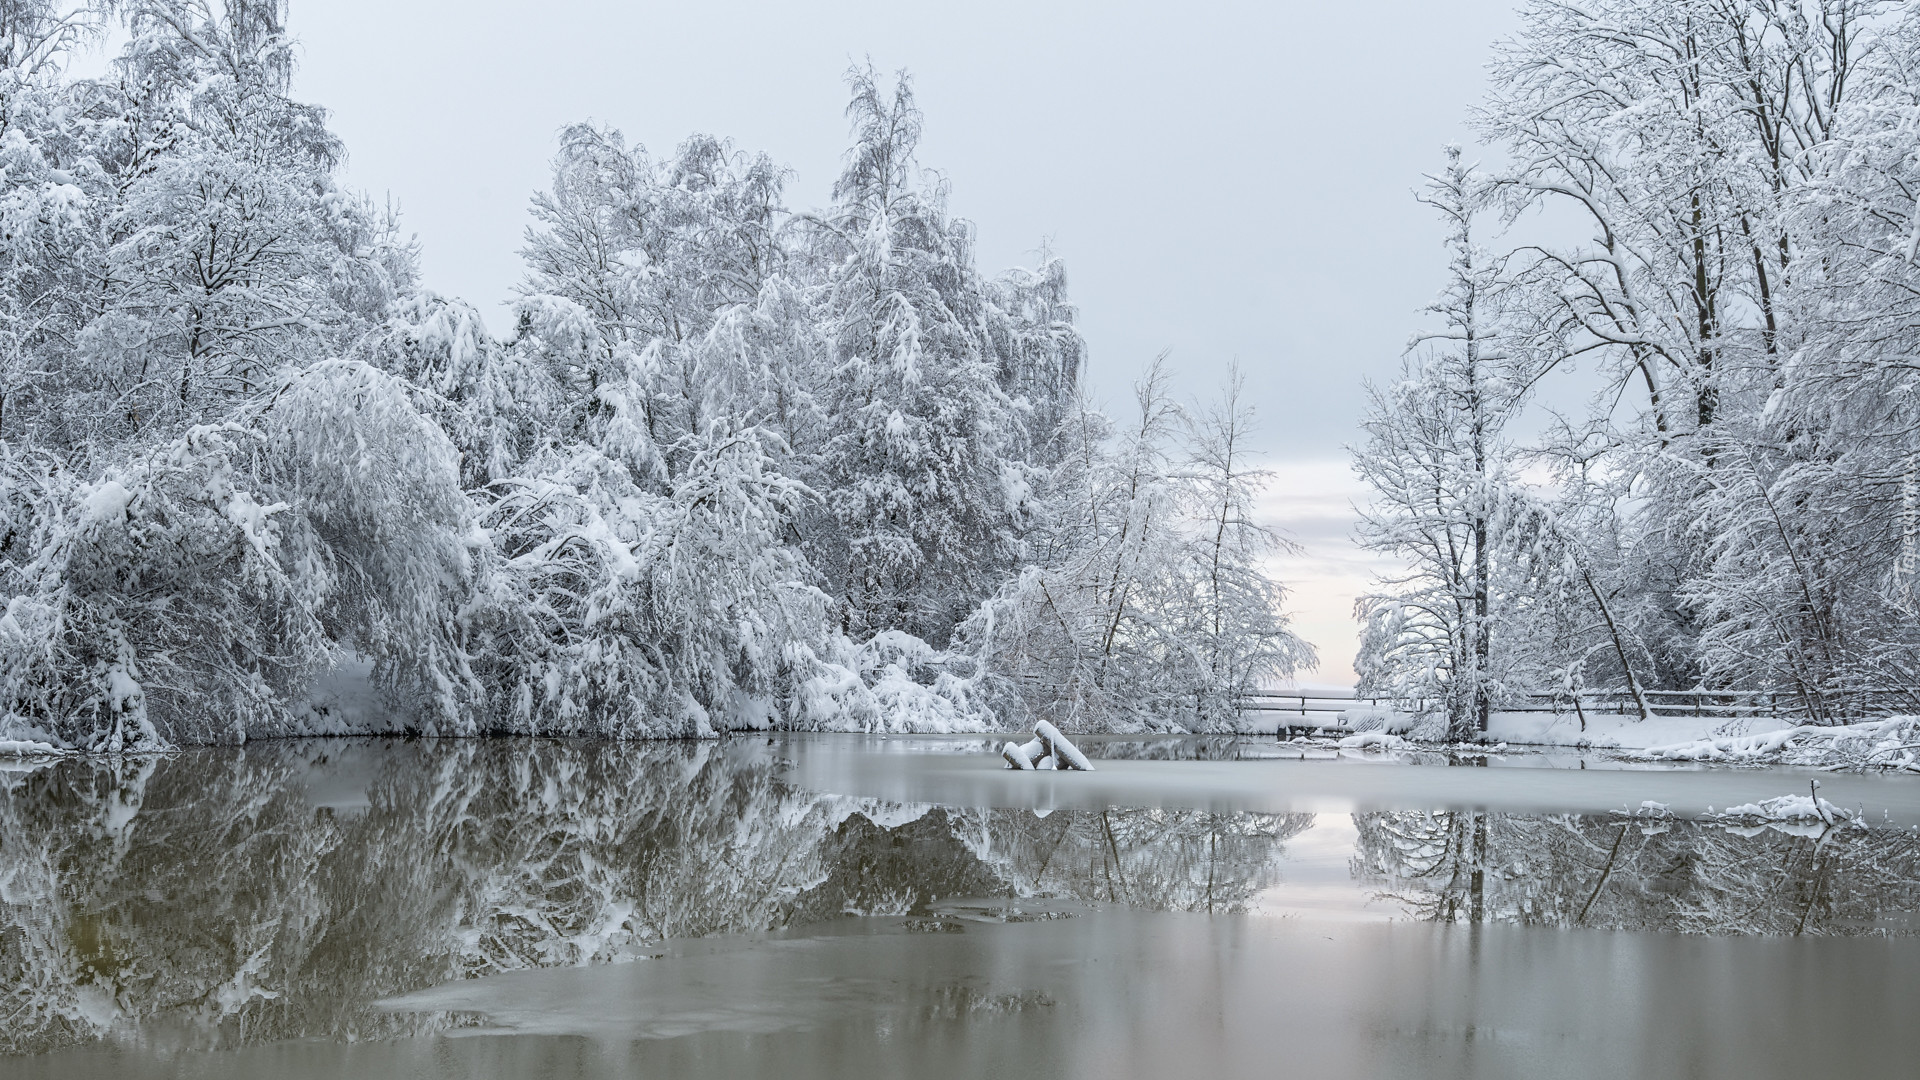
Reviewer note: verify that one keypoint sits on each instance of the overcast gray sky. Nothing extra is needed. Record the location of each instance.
(1223, 180)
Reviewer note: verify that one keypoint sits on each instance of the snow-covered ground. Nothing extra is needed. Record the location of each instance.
(28, 748)
(1889, 743)
(1617, 730)
(346, 702)
(1892, 743)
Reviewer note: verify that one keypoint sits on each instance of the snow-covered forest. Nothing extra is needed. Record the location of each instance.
(1737, 299)
(731, 465)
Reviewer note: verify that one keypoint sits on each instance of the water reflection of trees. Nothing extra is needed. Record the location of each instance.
(208, 894)
(1569, 870)
(1181, 860)
(228, 897)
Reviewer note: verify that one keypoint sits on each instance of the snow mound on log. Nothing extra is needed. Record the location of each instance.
(1373, 740)
(1795, 815)
(1785, 808)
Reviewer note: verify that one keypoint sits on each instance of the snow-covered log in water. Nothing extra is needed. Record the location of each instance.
(1060, 749)
(1048, 749)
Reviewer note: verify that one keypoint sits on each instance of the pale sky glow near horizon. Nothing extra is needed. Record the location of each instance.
(1224, 181)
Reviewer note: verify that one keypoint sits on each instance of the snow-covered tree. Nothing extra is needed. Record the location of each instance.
(1148, 604)
(1440, 470)
(186, 240)
(921, 503)
(1733, 512)
(732, 466)
(1808, 513)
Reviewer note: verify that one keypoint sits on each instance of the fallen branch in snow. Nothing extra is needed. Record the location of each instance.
(1735, 748)
(1888, 744)
(1047, 750)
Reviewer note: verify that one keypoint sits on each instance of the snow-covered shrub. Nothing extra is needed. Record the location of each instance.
(893, 682)
(192, 594)
(615, 609)
(157, 606)
(388, 547)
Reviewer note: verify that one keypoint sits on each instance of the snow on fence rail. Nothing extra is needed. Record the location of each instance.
(1717, 704)
(1721, 704)
(1305, 703)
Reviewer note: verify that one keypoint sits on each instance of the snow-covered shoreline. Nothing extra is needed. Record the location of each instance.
(1891, 743)
(347, 704)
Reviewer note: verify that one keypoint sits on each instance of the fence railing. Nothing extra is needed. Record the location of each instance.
(1305, 703)
(1716, 704)
(1721, 704)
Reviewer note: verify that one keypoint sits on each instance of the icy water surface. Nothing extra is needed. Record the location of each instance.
(848, 907)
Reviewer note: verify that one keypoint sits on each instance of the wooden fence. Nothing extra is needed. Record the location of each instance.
(1317, 709)
(1306, 704)
(1721, 704)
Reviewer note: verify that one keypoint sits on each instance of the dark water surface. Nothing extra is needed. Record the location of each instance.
(849, 907)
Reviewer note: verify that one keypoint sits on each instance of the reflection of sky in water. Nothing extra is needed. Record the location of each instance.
(1316, 879)
(1117, 993)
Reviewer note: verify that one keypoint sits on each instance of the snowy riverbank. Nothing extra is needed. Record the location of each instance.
(1601, 731)
(1889, 743)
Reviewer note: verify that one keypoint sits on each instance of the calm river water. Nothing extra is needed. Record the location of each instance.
(855, 907)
